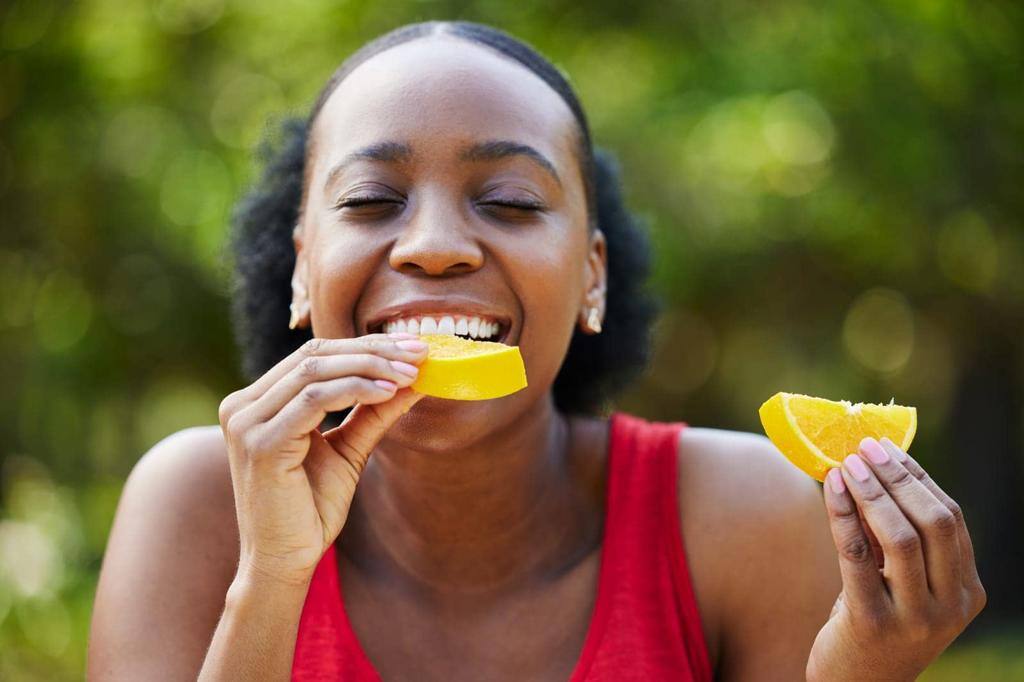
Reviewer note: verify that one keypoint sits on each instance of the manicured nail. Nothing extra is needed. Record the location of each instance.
(835, 481)
(875, 452)
(385, 384)
(412, 345)
(894, 450)
(405, 368)
(857, 468)
(402, 335)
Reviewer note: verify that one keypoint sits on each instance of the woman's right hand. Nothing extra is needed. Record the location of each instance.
(293, 485)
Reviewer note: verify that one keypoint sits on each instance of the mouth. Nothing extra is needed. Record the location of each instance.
(475, 327)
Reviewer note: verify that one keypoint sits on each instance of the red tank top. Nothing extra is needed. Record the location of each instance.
(645, 624)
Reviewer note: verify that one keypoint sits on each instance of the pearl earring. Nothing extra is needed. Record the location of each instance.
(593, 321)
(294, 321)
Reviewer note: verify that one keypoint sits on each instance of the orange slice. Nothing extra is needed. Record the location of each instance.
(461, 369)
(817, 434)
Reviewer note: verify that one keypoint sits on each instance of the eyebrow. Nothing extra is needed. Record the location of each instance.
(491, 150)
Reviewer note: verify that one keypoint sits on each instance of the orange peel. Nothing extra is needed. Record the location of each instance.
(816, 434)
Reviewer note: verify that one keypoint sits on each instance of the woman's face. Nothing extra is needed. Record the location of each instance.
(443, 180)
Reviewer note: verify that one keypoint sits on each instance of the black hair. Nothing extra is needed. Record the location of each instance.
(596, 367)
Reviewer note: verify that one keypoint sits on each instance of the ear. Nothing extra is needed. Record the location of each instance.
(300, 307)
(596, 284)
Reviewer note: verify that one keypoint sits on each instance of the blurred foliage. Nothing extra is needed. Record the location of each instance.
(834, 192)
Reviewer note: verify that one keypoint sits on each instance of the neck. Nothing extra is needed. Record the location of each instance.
(512, 510)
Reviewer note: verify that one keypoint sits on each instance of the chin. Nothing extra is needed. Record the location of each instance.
(440, 425)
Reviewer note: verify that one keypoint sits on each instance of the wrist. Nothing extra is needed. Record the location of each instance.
(252, 583)
(857, 663)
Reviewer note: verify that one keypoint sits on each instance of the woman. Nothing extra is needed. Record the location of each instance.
(446, 178)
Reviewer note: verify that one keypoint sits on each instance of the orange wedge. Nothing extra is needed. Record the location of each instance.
(461, 369)
(817, 434)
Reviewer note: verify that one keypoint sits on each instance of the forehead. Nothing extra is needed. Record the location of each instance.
(443, 91)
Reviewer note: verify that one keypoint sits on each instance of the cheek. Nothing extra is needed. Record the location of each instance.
(548, 276)
(340, 269)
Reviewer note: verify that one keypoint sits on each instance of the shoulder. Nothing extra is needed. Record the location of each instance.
(192, 462)
(745, 474)
(757, 540)
(184, 482)
(169, 560)
(181, 489)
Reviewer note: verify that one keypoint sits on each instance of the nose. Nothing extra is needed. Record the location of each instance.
(436, 241)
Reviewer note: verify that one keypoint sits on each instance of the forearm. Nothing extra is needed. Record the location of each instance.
(255, 638)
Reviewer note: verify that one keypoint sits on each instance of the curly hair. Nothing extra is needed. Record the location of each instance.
(595, 368)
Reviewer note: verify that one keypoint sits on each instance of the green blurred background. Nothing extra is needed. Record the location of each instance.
(834, 191)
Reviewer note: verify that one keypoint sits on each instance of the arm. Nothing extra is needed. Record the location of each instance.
(287, 489)
(255, 639)
(767, 573)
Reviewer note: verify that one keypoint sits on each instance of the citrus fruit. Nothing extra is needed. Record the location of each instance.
(817, 434)
(461, 369)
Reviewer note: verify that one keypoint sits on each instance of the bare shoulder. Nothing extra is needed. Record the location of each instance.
(169, 560)
(757, 539)
(747, 475)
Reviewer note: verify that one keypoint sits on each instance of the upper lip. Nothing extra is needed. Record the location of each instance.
(436, 307)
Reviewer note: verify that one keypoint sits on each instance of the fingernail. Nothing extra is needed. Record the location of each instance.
(895, 450)
(411, 345)
(875, 452)
(385, 384)
(857, 468)
(835, 481)
(405, 368)
(402, 335)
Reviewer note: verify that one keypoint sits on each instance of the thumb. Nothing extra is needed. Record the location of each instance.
(365, 425)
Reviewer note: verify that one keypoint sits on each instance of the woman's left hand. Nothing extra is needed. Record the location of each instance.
(910, 585)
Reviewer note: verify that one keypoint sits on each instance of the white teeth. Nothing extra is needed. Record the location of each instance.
(473, 327)
(428, 325)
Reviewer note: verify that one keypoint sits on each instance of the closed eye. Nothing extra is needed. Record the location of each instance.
(512, 204)
(352, 202)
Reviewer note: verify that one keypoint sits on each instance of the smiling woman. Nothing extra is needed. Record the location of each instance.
(596, 366)
(445, 183)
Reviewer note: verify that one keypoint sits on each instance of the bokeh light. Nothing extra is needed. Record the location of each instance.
(878, 331)
(242, 107)
(967, 251)
(686, 351)
(63, 311)
(25, 23)
(187, 16)
(797, 129)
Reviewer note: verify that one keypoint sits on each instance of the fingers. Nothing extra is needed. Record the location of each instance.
(376, 344)
(900, 541)
(968, 568)
(303, 413)
(862, 581)
(935, 524)
(876, 549)
(316, 369)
